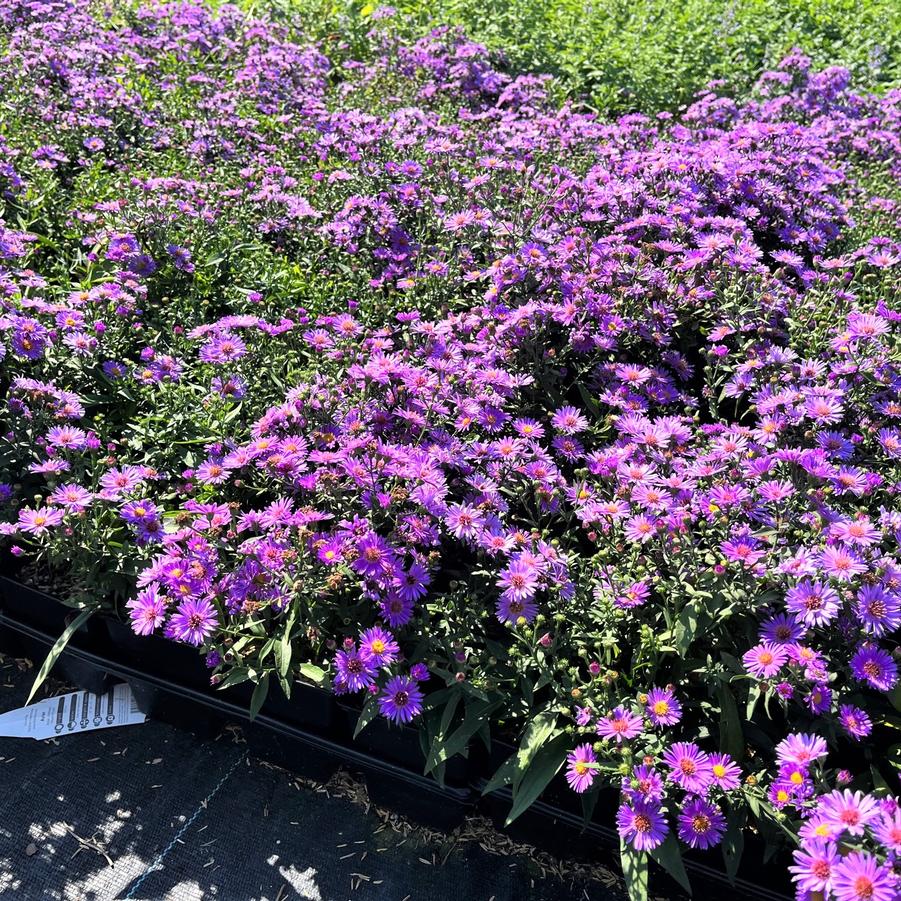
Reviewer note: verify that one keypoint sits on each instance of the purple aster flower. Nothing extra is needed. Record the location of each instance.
(854, 721)
(569, 421)
(879, 611)
(509, 609)
(580, 770)
(148, 610)
(375, 557)
(353, 672)
(395, 610)
(645, 784)
(195, 619)
(662, 707)
(519, 580)
(401, 699)
(67, 437)
(860, 877)
(765, 660)
(139, 511)
(378, 647)
(781, 629)
(726, 773)
(620, 726)
(813, 603)
(420, 672)
(814, 865)
(641, 824)
(689, 766)
(701, 824)
(873, 665)
(801, 749)
(413, 584)
(39, 521)
(71, 497)
(888, 830)
(848, 811)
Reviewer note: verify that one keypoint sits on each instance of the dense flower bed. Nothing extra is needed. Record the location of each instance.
(393, 375)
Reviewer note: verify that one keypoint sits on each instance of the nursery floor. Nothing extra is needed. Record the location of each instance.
(152, 812)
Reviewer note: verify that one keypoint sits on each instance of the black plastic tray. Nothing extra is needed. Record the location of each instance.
(312, 734)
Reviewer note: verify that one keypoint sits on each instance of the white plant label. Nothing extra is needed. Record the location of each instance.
(69, 714)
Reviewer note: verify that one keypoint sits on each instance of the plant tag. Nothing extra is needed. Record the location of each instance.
(79, 711)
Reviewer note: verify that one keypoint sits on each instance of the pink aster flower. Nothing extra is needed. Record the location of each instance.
(765, 660)
(662, 707)
(39, 521)
(848, 811)
(726, 773)
(814, 865)
(581, 768)
(620, 726)
(860, 877)
(689, 766)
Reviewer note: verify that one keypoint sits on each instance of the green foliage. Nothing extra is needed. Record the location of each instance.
(645, 55)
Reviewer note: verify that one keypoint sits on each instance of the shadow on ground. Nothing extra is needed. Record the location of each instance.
(152, 812)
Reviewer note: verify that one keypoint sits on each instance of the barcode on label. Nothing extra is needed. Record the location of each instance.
(133, 706)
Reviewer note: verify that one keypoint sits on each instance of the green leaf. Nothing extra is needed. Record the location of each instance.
(477, 714)
(235, 677)
(544, 766)
(368, 714)
(503, 775)
(669, 857)
(635, 872)
(732, 740)
(57, 649)
(284, 647)
(734, 842)
(259, 696)
(315, 674)
(539, 729)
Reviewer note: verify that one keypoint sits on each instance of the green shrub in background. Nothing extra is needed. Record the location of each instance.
(624, 55)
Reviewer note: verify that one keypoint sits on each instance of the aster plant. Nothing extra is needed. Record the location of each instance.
(490, 416)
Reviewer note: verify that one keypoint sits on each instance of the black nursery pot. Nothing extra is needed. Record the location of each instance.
(399, 745)
(159, 656)
(34, 607)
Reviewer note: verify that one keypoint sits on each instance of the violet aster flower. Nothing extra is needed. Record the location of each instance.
(860, 877)
(801, 749)
(645, 784)
(814, 865)
(854, 721)
(71, 497)
(879, 611)
(726, 773)
(580, 770)
(849, 811)
(148, 610)
(39, 521)
(509, 609)
(765, 660)
(353, 671)
(701, 824)
(813, 603)
(689, 766)
(620, 726)
(401, 699)
(66, 437)
(873, 665)
(193, 621)
(378, 646)
(662, 707)
(887, 830)
(642, 825)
